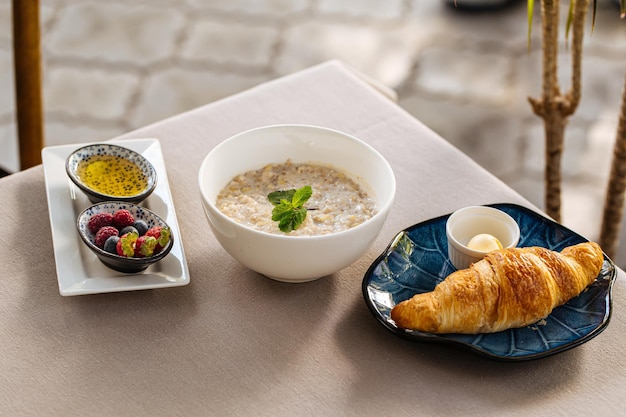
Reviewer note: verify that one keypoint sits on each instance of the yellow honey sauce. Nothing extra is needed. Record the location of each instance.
(112, 175)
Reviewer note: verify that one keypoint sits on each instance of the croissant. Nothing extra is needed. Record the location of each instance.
(506, 289)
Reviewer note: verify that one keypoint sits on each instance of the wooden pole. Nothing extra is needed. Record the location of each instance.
(27, 62)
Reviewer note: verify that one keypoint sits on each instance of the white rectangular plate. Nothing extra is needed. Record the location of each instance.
(79, 271)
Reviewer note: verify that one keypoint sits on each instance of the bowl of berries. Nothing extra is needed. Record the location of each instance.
(124, 236)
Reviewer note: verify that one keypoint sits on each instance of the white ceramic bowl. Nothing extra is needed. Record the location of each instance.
(465, 223)
(295, 258)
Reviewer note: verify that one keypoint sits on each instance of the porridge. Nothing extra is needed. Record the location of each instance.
(337, 202)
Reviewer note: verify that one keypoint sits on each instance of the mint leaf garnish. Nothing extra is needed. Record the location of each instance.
(288, 207)
(301, 196)
(277, 196)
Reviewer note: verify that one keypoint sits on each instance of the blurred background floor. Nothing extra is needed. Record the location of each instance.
(114, 66)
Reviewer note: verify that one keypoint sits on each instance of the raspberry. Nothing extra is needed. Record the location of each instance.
(99, 220)
(123, 218)
(103, 234)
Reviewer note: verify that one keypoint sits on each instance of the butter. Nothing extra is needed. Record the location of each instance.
(484, 242)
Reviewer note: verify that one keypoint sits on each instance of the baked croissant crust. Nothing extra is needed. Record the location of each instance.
(506, 289)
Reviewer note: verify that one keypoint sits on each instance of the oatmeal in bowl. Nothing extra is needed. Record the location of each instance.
(337, 202)
(295, 202)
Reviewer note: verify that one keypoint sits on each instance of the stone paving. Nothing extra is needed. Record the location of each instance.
(110, 67)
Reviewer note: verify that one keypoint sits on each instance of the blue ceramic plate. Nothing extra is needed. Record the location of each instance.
(417, 260)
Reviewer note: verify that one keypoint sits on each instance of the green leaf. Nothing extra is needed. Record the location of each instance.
(570, 19)
(593, 16)
(531, 8)
(288, 208)
(281, 210)
(301, 196)
(298, 217)
(286, 223)
(292, 220)
(277, 196)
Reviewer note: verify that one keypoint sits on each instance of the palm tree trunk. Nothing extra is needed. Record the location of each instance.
(554, 128)
(616, 190)
(553, 107)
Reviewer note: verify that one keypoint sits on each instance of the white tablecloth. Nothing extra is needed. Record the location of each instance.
(235, 343)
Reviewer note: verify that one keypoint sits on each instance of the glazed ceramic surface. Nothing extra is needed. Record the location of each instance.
(120, 263)
(90, 152)
(467, 222)
(417, 260)
(295, 258)
(78, 270)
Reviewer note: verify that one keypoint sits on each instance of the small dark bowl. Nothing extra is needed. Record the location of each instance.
(88, 152)
(116, 262)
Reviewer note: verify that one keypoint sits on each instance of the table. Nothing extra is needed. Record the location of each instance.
(235, 343)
